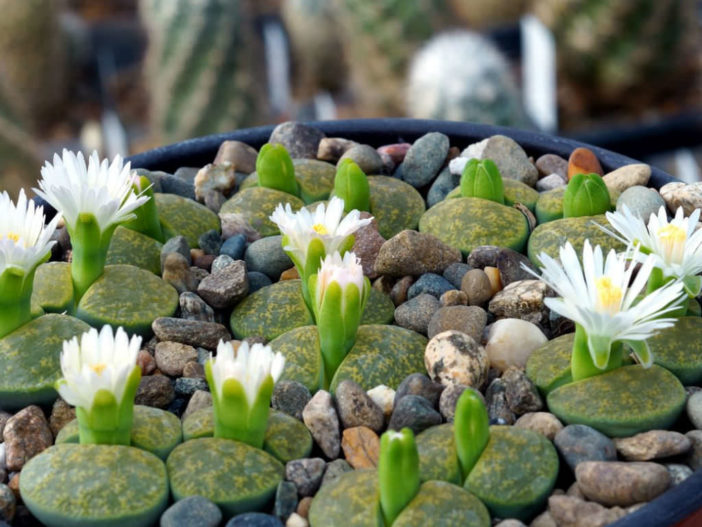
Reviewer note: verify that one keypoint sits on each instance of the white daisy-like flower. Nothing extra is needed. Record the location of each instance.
(600, 296)
(98, 361)
(24, 238)
(249, 366)
(676, 246)
(102, 189)
(343, 271)
(325, 224)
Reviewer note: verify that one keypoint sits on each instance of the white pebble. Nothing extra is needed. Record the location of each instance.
(511, 341)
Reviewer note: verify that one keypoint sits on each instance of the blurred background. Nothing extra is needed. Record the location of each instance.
(123, 76)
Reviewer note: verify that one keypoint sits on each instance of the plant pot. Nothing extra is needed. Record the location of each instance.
(680, 504)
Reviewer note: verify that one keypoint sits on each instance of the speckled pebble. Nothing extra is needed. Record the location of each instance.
(414, 412)
(653, 444)
(194, 332)
(306, 474)
(414, 253)
(552, 164)
(628, 176)
(523, 299)
(453, 297)
(234, 247)
(366, 157)
(61, 414)
(225, 287)
(192, 307)
(419, 384)
(189, 385)
(424, 159)
(416, 313)
(522, 395)
(285, 500)
(575, 512)
(496, 403)
(618, 483)
(579, 443)
(300, 140)
(449, 398)
(543, 423)
(267, 256)
(222, 261)
(321, 419)
(356, 408)
(171, 357)
(641, 201)
(470, 320)
(511, 265)
(26, 434)
(476, 285)
(193, 510)
(177, 272)
(155, 390)
(290, 397)
(483, 256)
(429, 283)
(455, 357)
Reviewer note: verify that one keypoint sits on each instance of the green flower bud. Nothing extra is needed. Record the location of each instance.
(482, 179)
(471, 428)
(586, 195)
(398, 473)
(147, 220)
(275, 169)
(351, 185)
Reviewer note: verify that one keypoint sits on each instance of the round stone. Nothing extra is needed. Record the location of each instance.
(268, 257)
(194, 510)
(641, 201)
(616, 483)
(415, 314)
(511, 341)
(578, 443)
(453, 357)
(424, 159)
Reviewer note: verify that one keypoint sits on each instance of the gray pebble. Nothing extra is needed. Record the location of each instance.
(257, 281)
(300, 140)
(267, 256)
(522, 396)
(306, 474)
(177, 244)
(694, 409)
(321, 419)
(454, 273)
(449, 398)
(444, 183)
(419, 384)
(335, 469)
(484, 256)
(285, 500)
(578, 443)
(414, 412)
(366, 157)
(192, 307)
(424, 159)
(189, 385)
(178, 273)
(225, 287)
(429, 283)
(234, 247)
(415, 314)
(470, 320)
(496, 403)
(550, 182)
(210, 242)
(694, 456)
(678, 473)
(254, 519)
(194, 332)
(199, 400)
(642, 201)
(290, 397)
(174, 185)
(193, 510)
(552, 164)
(155, 390)
(356, 408)
(220, 263)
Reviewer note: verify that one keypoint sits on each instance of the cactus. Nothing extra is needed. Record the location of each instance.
(203, 66)
(442, 84)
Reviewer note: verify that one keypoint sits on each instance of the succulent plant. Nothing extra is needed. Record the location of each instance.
(482, 179)
(585, 195)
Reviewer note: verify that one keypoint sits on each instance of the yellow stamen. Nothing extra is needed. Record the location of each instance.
(672, 239)
(11, 236)
(319, 228)
(609, 296)
(98, 368)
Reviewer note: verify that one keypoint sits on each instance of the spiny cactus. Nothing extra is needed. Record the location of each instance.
(204, 66)
(460, 76)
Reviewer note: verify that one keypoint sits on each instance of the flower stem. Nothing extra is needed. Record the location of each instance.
(581, 362)
(15, 299)
(89, 253)
(655, 280)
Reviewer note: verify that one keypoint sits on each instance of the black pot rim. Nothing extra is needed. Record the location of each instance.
(666, 510)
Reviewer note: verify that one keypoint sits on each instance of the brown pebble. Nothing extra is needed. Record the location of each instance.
(61, 414)
(332, 148)
(204, 261)
(453, 297)
(621, 483)
(396, 151)
(239, 154)
(493, 274)
(194, 370)
(583, 161)
(289, 274)
(477, 287)
(652, 445)
(26, 434)
(361, 447)
(549, 164)
(303, 507)
(14, 486)
(146, 362)
(398, 293)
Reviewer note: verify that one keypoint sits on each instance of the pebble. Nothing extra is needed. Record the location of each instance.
(415, 314)
(424, 159)
(174, 185)
(493, 274)
(295, 520)
(234, 223)
(477, 287)
(285, 500)
(579, 443)
(621, 483)
(694, 456)
(355, 408)
(444, 183)
(171, 357)
(193, 510)
(449, 398)
(543, 423)
(303, 507)
(257, 281)
(510, 158)
(653, 444)
(429, 283)
(219, 177)
(192, 307)
(177, 244)
(543, 520)
(641, 201)
(146, 362)
(221, 262)
(300, 140)
(396, 152)
(366, 246)
(335, 469)
(419, 384)
(290, 397)
(511, 266)
(398, 291)
(176, 271)
(687, 196)
(511, 341)
(496, 403)
(366, 157)
(549, 164)
(268, 257)
(454, 297)
(569, 511)
(583, 161)
(522, 395)
(332, 148)
(453, 357)
(455, 272)
(361, 447)
(483, 256)
(199, 400)
(26, 434)
(678, 473)
(306, 474)
(194, 332)
(384, 397)
(414, 253)
(320, 417)
(470, 320)
(240, 155)
(202, 260)
(214, 200)
(194, 370)
(550, 182)
(254, 519)
(61, 414)
(155, 390)
(225, 287)
(234, 247)
(628, 176)
(694, 409)
(8, 503)
(4, 417)
(414, 412)
(188, 385)
(510, 523)
(523, 299)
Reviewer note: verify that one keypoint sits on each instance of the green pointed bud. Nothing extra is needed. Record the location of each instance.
(275, 169)
(471, 429)
(15, 298)
(147, 220)
(482, 179)
(351, 185)
(586, 195)
(398, 473)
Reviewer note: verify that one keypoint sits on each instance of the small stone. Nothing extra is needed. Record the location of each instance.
(583, 161)
(221, 262)
(192, 307)
(550, 182)
(579, 443)
(202, 260)
(455, 272)
(240, 155)
(449, 398)
(419, 384)
(193, 370)
(332, 148)
(306, 474)
(618, 483)
(396, 152)
(678, 473)
(214, 177)
(300, 140)
(687, 196)
(366, 246)
(424, 159)
(496, 403)
(234, 223)
(444, 183)
(226, 287)
(285, 500)
(414, 253)
(628, 176)
(303, 507)
(511, 341)
(4, 417)
(268, 257)
(429, 283)
(569, 511)
(193, 510)
(356, 408)
(171, 357)
(552, 164)
(543, 520)
(176, 271)
(574, 491)
(194, 332)
(694, 409)
(510, 523)
(483, 256)
(653, 444)
(510, 158)
(493, 274)
(453, 297)
(641, 201)
(254, 519)
(366, 157)
(199, 400)
(414, 412)
(214, 200)
(146, 362)
(319, 415)
(26, 434)
(453, 357)
(398, 291)
(61, 413)
(511, 265)
(234, 247)
(522, 395)
(295, 520)
(384, 397)
(155, 390)
(694, 456)
(185, 386)
(476, 285)
(416, 313)
(543, 423)
(335, 469)
(257, 281)
(361, 447)
(290, 397)
(523, 299)
(8, 504)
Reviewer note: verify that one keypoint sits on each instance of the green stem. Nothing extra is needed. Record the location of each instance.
(89, 253)
(581, 362)
(15, 299)
(655, 280)
(147, 220)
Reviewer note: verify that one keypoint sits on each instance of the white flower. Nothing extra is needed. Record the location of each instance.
(249, 366)
(102, 189)
(98, 362)
(325, 224)
(675, 246)
(24, 239)
(601, 298)
(342, 271)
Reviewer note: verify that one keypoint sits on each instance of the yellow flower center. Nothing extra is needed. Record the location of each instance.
(11, 236)
(98, 368)
(672, 240)
(319, 228)
(609, 296)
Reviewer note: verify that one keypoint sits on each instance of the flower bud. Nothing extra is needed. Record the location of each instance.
(398, 472)
(471, 428)
(586, 195)
(275, 169)
(351, 185)
(482, 179)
